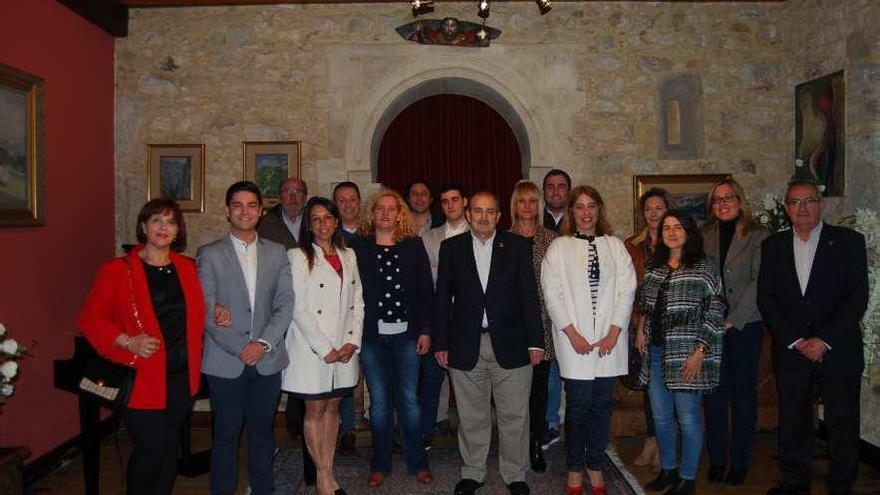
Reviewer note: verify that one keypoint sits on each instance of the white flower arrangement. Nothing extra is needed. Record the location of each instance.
(10, 354)
(772, 214)
(866, 222)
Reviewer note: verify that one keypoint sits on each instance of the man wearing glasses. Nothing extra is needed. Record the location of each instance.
(281, 223)
(812, 293)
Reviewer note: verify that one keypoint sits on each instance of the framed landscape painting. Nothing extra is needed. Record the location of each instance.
(688, 190)
(177, 171)
(21, 149)
(267, 163)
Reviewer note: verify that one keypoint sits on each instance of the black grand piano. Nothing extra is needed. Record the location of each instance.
(67, 374)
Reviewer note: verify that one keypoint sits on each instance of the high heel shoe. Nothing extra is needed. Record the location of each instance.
(574, 490)
(598, 490)
(666, 478)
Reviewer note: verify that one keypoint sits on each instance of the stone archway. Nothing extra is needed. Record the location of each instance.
(367, 85)
(455, 86)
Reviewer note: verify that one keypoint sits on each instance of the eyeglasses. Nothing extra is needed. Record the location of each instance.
(797, 202)
(292, 192)
(730, 198)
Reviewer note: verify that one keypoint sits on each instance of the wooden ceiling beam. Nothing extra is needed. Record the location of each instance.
(203, 3)
(109, 15)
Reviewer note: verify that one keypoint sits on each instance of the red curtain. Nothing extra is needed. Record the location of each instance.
(451, 138)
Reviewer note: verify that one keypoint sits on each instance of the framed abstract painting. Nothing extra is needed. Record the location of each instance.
(820, 130)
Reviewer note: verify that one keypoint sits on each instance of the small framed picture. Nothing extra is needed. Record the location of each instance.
(21, 149)
(267, 163)
(177, 171)
(689, 192)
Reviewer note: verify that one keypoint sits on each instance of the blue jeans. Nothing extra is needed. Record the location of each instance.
(587, 421)
(736, 398)
(554, 395)
(667, 405)
(432, 380)
(252, 399)
(391, 368)
(346, 413)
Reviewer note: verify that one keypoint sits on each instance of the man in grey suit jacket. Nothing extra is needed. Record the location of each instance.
(243, 362)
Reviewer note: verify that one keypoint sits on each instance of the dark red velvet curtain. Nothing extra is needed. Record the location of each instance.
(451, 138)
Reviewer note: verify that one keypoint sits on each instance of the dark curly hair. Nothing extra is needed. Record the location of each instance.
(691, 252)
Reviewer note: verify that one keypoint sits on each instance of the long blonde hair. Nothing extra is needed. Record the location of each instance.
(524, 188)
(404, 227)
(745, 222)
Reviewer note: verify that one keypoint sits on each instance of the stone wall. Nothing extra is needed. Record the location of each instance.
(583, 79)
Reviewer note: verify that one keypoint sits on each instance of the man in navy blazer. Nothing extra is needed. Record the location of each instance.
(243, 362)
(487, 331)
(812, 293)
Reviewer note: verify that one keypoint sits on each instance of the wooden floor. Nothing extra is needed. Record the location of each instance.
(763, 473)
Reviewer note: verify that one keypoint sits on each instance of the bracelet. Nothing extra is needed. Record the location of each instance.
(128, 341)
(701, 347)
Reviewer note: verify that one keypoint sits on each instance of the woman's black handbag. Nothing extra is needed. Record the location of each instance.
(108, 381)
(631, 379)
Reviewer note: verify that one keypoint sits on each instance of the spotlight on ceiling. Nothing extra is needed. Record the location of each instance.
(544, 6)
(420, 7)
(483, 8)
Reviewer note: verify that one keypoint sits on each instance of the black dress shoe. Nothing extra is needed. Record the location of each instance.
(783, 489)
(716, 473)
(520, 487)
(467, 486)
(536, 457)
(735, 477)
(683, 487)
(664, 480)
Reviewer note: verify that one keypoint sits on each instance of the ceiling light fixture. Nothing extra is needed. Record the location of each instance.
(483, 8)
(420, 7)
(544, 6)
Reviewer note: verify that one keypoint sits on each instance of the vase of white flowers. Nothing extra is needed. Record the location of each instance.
(772, 214)
(10, 355)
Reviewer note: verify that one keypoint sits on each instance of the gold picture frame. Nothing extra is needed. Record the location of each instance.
(267, 163)
(21, 149)
(688, 190)
(177, 171)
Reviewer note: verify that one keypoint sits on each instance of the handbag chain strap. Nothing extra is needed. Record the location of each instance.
(134, 308)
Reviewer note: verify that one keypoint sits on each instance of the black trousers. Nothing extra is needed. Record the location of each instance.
(152, 467)
(840, 398)
(538, 401)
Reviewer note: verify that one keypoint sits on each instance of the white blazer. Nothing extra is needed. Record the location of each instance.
(328, 312)
(567, 297)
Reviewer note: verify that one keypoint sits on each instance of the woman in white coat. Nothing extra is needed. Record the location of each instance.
(589, 285)
(325, 333)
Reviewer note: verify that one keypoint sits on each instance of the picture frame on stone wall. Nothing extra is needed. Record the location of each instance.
(267, 163)
(688, 190)
(177, 171)
(820, 131)
(22, 197)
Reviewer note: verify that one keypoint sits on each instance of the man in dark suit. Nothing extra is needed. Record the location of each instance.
(487, 331)
(282, 222)
(557, 184)
(812, 293)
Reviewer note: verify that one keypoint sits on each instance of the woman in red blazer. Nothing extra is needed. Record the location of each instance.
(146, 310)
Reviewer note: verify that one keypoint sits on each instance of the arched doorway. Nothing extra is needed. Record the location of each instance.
(451, 138)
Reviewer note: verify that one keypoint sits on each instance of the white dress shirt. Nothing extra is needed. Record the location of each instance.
(483, 257)
(453, 230)
(293, 225)
(804, 254)
(247, 259)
